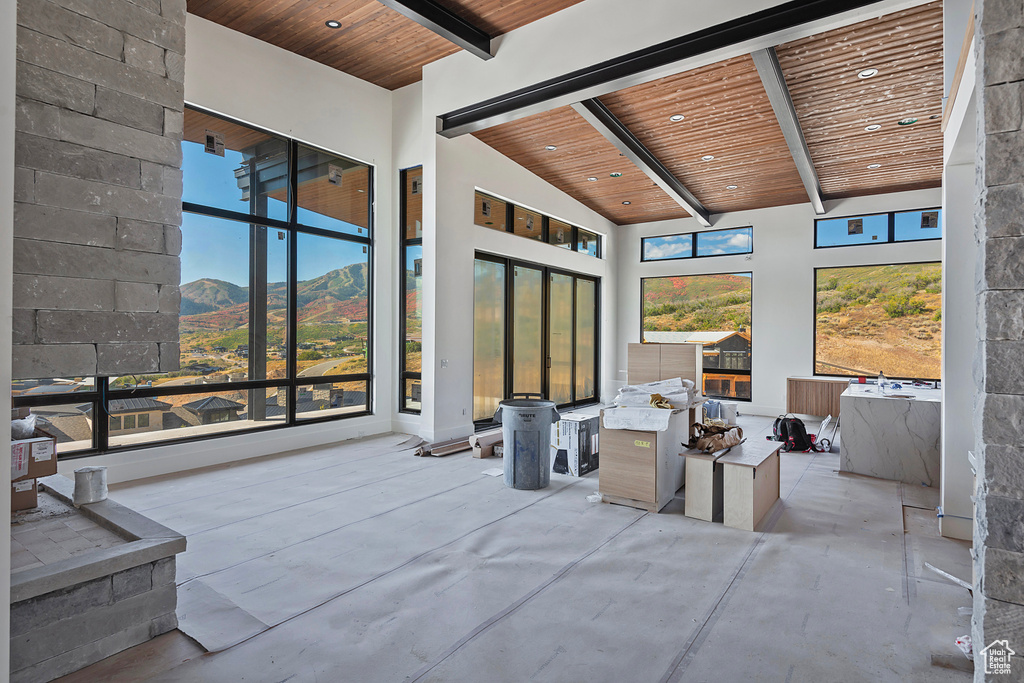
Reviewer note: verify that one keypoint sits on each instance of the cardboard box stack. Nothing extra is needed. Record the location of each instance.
(574, 445)
(31, 459)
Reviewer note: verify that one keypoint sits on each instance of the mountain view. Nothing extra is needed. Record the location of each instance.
(871, 318)
(332, 316)
(696, 303)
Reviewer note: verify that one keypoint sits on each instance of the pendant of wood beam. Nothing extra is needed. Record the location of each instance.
(602, 119)
(770, 71)
(444, 23)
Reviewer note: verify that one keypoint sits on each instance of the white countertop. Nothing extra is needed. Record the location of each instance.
(907, 393)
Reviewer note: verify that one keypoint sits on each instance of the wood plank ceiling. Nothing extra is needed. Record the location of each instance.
(835, 106)
(728, 116)
(582, 153)
(374, 43)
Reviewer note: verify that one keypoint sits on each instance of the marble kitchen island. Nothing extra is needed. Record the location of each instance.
(891, 436)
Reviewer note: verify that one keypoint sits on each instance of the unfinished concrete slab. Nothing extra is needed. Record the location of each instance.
(400, 568)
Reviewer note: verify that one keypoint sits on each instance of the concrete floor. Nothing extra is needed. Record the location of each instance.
(360, 562)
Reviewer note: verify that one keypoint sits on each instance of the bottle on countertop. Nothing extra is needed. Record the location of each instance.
(881, 382)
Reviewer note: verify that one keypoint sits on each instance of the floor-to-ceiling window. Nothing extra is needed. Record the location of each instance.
(274, 325)
(535, 333)
(411, 291)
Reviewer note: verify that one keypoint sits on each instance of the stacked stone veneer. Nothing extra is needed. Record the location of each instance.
(62, 631)
(98, 186)
(999, 367)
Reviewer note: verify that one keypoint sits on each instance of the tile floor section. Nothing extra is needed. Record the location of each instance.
(360, 562)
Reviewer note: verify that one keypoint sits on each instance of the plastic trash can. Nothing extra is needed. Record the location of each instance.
(526, 433)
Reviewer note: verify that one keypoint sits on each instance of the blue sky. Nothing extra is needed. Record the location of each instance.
(219, 249)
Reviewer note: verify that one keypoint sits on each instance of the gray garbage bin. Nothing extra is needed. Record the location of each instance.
(526, 432)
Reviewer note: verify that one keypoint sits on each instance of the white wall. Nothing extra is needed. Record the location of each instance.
(8, 24)
(783, 263)
(959, 303)
(450, 241)
(255, 82)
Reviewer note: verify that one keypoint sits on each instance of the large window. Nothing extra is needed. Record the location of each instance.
(879, 318)
(497, 214)
(879, 228)
(713, 310)
(535, 332)
(411, 288)
(697, 244)
(274, 326)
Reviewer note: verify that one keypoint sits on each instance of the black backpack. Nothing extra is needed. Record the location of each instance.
(793, 435)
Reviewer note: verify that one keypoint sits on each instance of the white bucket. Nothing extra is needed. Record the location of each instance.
(90, 485)
(730, 409)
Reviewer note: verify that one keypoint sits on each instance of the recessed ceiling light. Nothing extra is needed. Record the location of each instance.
(867, 73)
(332, 23)
(592, 179)
(935, 116)
(676, 118)
(616, 174)
(873, 127)
(731, 187)
(551, 148)
(627, 203)
(907, 121)
(874, 166)
(707, 157)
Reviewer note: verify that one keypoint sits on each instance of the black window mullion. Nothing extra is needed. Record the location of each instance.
(293, 270)
(101, 413)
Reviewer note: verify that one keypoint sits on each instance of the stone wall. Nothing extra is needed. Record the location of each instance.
(98, 186)
(999, 363)
(62, 631)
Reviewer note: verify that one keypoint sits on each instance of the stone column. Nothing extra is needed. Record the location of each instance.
(999, 362)
(97, 186)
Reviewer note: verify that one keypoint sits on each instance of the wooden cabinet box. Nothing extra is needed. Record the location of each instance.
(817, 396)
(643, 469)
(750, 482)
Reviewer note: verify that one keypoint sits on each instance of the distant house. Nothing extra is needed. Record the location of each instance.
(131, 415)
(727, 350)
(214, 409)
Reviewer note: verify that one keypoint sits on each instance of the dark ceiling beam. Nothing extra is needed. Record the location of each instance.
(605, 122)
(444, 23)
(770, 71)
(630, 69)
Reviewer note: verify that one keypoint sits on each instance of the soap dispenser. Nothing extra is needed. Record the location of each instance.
(881, 382)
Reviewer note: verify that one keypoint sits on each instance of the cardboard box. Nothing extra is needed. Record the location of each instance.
(574, 445)
(33, 458)
(24, 495)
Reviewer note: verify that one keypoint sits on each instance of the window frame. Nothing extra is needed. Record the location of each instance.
(546, 272)
(814, 312)
(693, 245)
(716, 371)
(891, 235)
(544, 237)
(404, 243)
(104, 392)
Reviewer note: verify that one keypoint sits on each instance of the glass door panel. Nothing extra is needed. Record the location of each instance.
(527, 330)
(560, 339)
(586, 339)
(488, 338)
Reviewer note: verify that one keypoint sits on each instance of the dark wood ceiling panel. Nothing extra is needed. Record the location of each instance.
(582, 153)
(374, 43)
(728, 116)
(834, 105)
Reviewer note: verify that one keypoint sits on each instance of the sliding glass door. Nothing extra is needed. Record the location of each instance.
(535, 332)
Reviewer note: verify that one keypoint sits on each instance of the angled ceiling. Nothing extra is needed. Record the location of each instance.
(374, 43)
(727, 115)
(582, 153)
